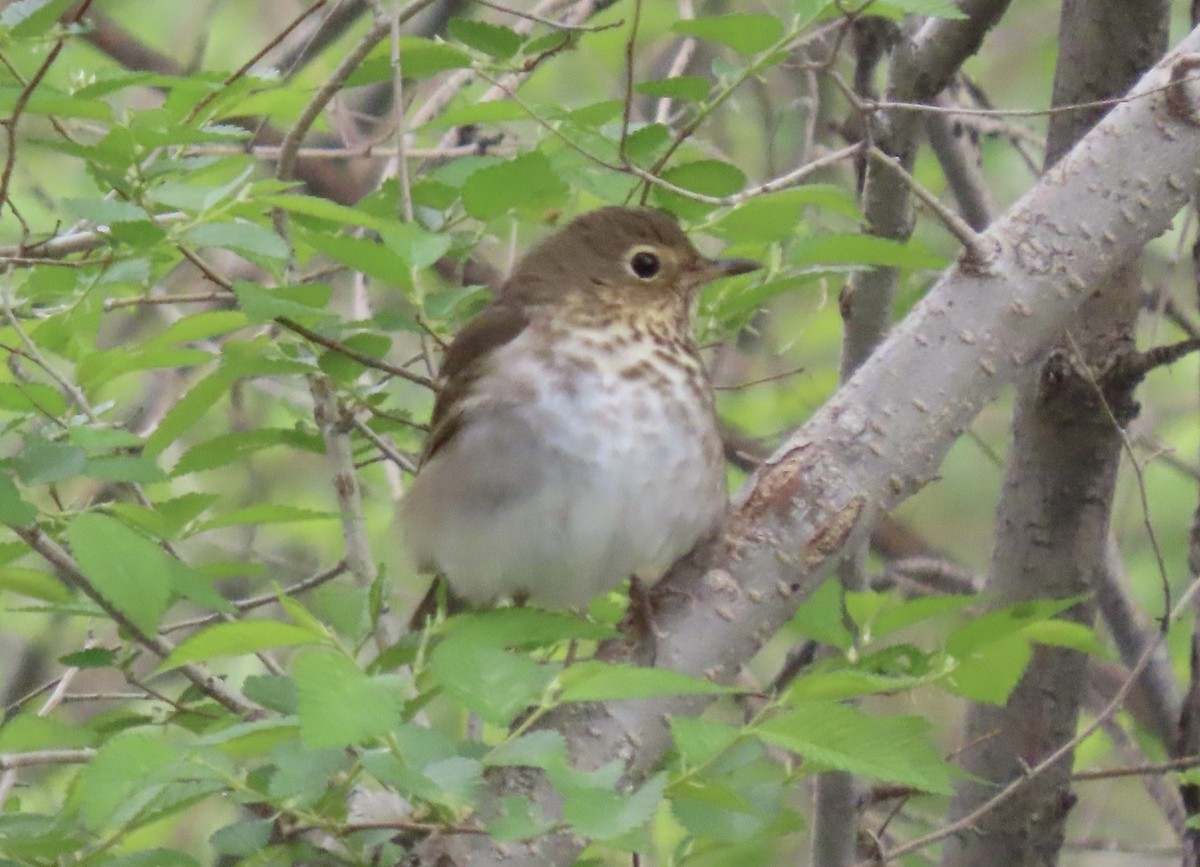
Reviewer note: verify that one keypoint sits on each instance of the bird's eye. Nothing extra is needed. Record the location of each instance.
(644, 264)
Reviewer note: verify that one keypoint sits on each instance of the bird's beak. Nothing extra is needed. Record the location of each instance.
(707, 270)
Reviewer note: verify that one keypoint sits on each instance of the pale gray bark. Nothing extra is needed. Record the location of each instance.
(884, 434)
(1052, 521)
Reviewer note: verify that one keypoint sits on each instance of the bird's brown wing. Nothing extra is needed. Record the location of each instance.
(463, 364)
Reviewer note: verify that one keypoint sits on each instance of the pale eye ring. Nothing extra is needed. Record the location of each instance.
(644, 264)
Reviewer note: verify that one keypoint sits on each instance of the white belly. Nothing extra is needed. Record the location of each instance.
(562, 492)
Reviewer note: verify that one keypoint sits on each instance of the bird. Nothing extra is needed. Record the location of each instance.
(574, 440)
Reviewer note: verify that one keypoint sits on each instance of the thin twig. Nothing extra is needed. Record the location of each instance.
(208, 683)
(365, 360)
(253, 602)
(977, 249)
(22, 100)
(629, 55)
(254, 58)
(550, 22)
(966, 822)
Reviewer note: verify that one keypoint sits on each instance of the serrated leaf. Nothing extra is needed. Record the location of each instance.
(745, 33)
(527, 181)
(126, 568)
(699, 740)
(488, 680)
(419, 58)
(41, 462)
(895, 749)
(241, 237)
(121, 769)
(189, 409)
(500, 42)
(92, 657)
(592, 680)
(339, 705)
(305, 303)
(604, 814)
(369, 257)
(238, 639)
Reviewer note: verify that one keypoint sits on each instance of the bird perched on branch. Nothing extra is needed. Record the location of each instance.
(574, 440)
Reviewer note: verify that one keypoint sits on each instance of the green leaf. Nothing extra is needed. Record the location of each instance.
(199, 326)
(592, 680)
(707, 177)
(898, 9)
(238, 639)
(32, 582)
(745, 34)
(500, 42)
(776, 217)
(605, 814)
(41, 462)
(32, 397)
(416, 245)
(14, 511)
(228, 448)
(691, 88)
(866, 250)
(991, 672)
(30, 17)
(369, 257)
(323, 209)
(199, 400)
(912, 611)
(123, 468)
(241, 237)
(1004, 623)
(304, 303)
(92, 657)
(1066, 633)
(122, 768)
(104, 211)
(340, 706)
(248, 837)
(896, 749)
(419, 58)
(526, 627)
(820, 618)
(126, 568)
(527, 181)
(699, 740)
(488, 680)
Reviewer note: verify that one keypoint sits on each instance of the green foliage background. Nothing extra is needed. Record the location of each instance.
(168, 451)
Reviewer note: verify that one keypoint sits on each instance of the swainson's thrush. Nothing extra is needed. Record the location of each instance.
(574, 441)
